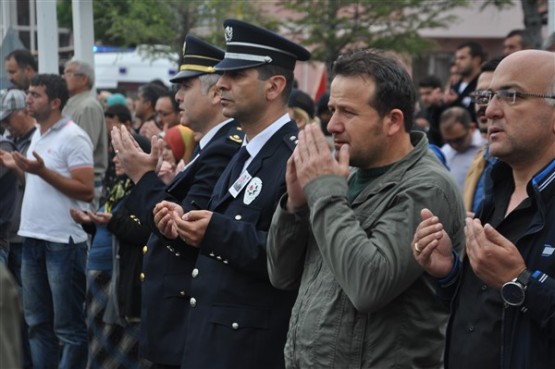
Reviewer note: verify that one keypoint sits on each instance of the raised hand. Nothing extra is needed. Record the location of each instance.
(432, 247)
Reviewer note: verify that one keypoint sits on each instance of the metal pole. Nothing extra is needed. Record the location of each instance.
(83, 29)
(47, 30)
(33, 25)
(6, 9)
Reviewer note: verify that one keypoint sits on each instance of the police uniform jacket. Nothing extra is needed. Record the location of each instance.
(237, 319)
(167, 264)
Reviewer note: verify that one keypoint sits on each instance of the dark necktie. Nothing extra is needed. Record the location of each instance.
(241, 157)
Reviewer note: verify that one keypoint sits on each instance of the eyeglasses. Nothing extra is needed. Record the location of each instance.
(483, 97)
(70, 73)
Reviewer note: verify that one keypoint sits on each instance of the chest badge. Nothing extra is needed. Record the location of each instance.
(252, 191)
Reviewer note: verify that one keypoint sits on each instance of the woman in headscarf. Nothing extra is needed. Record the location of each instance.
(180, 144)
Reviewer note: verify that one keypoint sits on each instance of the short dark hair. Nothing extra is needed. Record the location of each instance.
(524, 36)
(322, 104)
(269, 70)
(475, 49)
(302, 100)
(121, 111)
(54, 86)
(394, 86)
(23, 58)
(151, 92)
(491, 65)
(430, 81)
(171, 96)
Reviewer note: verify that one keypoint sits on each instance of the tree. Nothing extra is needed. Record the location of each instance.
(331, 27)
(532, 22)
(127, 23)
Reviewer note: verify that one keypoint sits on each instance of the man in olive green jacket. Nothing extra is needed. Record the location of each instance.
(363, 301)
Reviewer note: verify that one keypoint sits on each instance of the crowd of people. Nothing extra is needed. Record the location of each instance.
(231, 221)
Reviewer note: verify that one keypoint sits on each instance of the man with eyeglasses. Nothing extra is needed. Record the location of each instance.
(167, 111)
(502, 296)
(145, 108)
(475, 181)
(462, 141)
(84, 109)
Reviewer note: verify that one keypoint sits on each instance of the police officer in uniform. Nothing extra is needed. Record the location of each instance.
(237, 319)
(167, 262)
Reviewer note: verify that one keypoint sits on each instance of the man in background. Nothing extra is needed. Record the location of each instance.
(462, 142)
(430, 90)
(516, 40)
(167, 111)
(84, 109)
(145, 109)
(475, 181)
(469, 57)
(20, 66)
(20, 126)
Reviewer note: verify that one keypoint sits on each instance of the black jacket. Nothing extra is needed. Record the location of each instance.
(168, 264)
(237, 318)
(526, 333)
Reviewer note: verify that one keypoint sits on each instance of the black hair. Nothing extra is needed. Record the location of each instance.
(23, 58)
(475, 49)
(170, 95)
(268, 70)
(394, 87)
(430, 81)
(524, 36)
(491, 65)
(151, 92)
(121, 111)
(54, 86)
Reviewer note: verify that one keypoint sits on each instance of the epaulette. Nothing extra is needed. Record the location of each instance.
(135, 219)
(291, 140)
(237, 135)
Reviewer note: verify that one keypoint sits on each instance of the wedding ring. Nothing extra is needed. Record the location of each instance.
(416, 248)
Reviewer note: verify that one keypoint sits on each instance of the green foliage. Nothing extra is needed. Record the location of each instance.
(132, 22)
(330, 27)
(127, 23)
(499, 4)
(63, 10)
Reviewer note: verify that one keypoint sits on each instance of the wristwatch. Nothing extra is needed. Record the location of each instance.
(514, 292)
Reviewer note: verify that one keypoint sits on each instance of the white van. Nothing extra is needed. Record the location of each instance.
(127, 69)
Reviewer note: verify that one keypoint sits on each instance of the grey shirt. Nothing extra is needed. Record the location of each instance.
(85, 110)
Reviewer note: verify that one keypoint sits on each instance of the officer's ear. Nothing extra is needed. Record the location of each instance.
(214, 94)
(274, 87)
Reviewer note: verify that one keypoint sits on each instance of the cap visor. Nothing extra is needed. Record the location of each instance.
(184, 75)
(236, 64)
